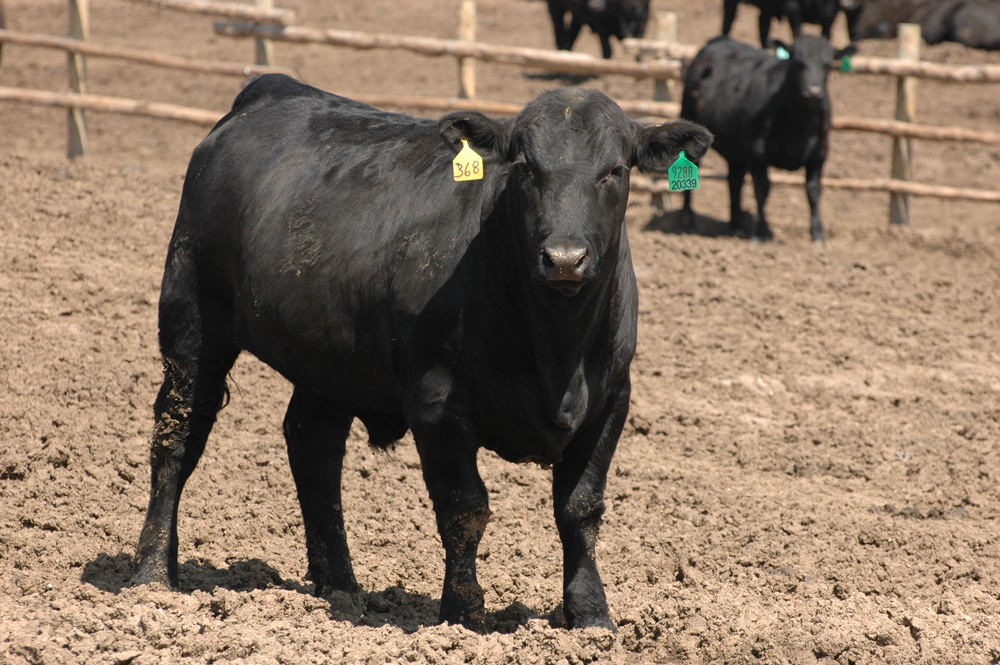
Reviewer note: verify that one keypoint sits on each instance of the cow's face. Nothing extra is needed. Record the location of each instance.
(811, 59)
(568, 156)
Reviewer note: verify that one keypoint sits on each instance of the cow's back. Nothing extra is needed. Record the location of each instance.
(301, 208)
(727, 87)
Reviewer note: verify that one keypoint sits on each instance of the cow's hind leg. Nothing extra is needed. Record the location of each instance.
(578, 482)
(316, 436)
(196, 357)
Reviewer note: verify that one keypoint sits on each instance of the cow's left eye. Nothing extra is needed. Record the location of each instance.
(618, 170)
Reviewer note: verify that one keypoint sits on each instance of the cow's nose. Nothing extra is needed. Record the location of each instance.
(565, 263)
(815, 91)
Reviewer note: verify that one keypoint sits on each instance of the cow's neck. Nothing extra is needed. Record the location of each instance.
(558, 347)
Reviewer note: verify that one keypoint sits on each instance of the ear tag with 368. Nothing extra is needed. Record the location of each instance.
(683, 174)
(467, 165)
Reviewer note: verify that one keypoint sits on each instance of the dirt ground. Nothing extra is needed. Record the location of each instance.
(809, 473)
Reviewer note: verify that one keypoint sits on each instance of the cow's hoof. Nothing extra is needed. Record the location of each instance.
(148, 573)
(594, 622)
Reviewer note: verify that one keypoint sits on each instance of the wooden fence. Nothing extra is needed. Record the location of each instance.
(267, 24)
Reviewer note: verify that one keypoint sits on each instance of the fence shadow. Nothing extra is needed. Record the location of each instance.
(393, 606)
(672, 221)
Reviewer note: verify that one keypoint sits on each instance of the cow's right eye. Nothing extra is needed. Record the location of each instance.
(523, 169)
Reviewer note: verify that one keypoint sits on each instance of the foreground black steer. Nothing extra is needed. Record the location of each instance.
(607, 18)
(763, 112)
(330, 240)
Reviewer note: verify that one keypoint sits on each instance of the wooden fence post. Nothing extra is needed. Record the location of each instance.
(665, 30)
(665, 90)
(906, 110)
(467, 66)
(79, 28)
(264, 48)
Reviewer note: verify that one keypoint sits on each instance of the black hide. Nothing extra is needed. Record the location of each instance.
(607, 18)
(819, 12)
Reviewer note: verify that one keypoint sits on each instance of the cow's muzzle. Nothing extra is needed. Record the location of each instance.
(565, 266)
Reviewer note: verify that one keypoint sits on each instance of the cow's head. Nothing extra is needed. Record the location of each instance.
(567, 158)
(810, 60)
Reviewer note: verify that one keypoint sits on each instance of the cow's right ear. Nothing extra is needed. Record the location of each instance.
(484, 134)
(657, 147)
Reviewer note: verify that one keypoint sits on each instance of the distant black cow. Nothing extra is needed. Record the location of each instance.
(975, 23)
(763, 112)
(329, 239)
(620, 18)
(820, 12)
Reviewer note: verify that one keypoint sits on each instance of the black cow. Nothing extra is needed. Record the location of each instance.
(975, 23)
(820, 12)
(621, 18)
(763, 112)
(329, 239)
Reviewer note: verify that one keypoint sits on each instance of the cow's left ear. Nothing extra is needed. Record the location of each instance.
(850, 49)
(657, 147)
(484, 134)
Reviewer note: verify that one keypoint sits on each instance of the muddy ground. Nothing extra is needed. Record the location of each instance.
(809, 473)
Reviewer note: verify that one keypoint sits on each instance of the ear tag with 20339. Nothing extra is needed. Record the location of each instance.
(683, 174)
(467, 165)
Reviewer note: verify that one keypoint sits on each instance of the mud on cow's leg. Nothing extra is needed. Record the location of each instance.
(196, 359)
(461, 506)
(578, 482)
(316, 437)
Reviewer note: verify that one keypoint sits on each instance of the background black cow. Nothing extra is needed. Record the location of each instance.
(975, 23)
(620, 18)
(820, 12)
(329, 239)
(763, 112)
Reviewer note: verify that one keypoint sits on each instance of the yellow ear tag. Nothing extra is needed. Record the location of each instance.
(467, 165)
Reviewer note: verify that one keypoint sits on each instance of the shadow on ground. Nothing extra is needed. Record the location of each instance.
(672, 221)
(394, 606)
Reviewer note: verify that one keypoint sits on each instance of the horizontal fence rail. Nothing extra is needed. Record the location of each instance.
(638, 182)
(569, 63)
(860, 64)
(111, 104)
(230, 10)
(641, 183)
(912, 130)
(134, 55)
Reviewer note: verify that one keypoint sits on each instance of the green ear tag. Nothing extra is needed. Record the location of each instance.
(845, 64)
(683, 174)
(781, 53)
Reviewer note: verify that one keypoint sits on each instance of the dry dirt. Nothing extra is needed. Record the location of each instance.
(809, 474)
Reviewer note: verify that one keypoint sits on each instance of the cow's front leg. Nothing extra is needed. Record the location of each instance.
(578, 482)
(813, 188)
(461, 505)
